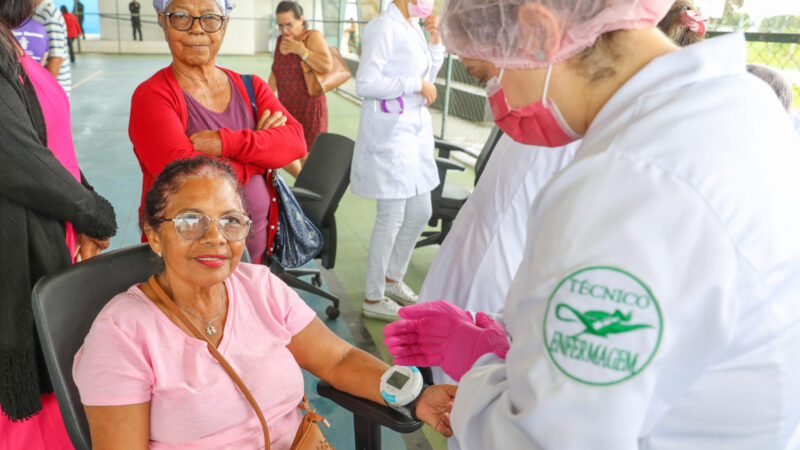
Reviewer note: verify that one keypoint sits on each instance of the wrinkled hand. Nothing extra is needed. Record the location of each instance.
(434, 334)
(207, 141)
(289, 45)
(432, 27)
(271, 120)
(428, 91)
(89, 247)
(434, 405)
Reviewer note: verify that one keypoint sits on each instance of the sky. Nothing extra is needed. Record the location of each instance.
(756, 8)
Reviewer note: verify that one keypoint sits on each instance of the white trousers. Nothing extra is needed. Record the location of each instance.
(398, 226)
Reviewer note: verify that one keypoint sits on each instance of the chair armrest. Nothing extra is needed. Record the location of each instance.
(305, 194)
(371, 411)
(446, 164)
(445, 148)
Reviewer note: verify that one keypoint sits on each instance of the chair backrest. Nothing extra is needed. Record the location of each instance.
(327, 173)
(486, 152)
(64, 306)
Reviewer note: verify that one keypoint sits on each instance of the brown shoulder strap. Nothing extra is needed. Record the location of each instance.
(213, 349)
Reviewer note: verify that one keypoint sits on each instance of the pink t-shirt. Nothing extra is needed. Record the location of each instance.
(55, 109)
(135, 354)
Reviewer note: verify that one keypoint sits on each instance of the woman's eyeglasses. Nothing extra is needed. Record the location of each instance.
(193, 226)
(181, 21)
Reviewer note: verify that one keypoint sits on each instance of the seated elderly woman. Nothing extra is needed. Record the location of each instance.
(194, 107)
(143, 378)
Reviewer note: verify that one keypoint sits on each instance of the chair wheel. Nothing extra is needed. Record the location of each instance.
(316, 280)
(332, 312)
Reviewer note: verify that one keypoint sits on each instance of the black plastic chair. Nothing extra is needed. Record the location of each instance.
(65, 305)
(319, 188)
(448, 197)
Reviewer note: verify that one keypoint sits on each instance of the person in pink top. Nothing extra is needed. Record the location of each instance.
(140, 366)
(49, 216)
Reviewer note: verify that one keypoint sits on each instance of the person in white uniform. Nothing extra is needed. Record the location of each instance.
(480, 256)
(655, 305)
(393, 158)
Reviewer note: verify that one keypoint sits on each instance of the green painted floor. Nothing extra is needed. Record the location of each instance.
(102, 88)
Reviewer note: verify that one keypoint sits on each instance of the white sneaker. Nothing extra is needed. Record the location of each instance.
(400, 292)
(385, 309)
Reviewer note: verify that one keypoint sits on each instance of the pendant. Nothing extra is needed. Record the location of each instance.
(211, 330)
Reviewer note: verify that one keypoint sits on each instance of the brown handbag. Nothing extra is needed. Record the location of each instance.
(309, 435)
(320, 83)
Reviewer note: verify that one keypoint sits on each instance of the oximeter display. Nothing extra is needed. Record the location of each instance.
(397, 380)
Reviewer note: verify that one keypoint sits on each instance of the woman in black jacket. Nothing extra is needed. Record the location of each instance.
(41, 203)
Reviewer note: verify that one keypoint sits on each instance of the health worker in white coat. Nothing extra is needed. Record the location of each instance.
(393, 158)
(655, 305)
(481, 254)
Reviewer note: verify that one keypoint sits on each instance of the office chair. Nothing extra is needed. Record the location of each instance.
(448, 197)
(66, 303)
(318, 189)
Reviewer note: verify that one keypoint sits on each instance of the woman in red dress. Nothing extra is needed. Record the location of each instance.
(295, 45)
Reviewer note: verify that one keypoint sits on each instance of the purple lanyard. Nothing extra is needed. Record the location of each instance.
(399, 101)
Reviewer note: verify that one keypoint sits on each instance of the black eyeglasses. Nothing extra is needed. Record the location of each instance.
(193, 226)
(181, 21)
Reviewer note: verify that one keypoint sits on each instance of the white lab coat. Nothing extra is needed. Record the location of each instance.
(479, 257)
(673, 233)
(474, 267)
(393, 157)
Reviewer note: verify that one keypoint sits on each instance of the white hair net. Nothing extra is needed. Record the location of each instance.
(489, 30)
(226, 6)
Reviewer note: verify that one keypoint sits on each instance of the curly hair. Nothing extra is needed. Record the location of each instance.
(672, 26)
(170, 179)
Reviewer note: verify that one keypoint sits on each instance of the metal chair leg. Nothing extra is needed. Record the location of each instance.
(368, 434)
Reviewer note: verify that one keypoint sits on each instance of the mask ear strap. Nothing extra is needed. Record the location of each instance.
(500, 77)
(546, 85)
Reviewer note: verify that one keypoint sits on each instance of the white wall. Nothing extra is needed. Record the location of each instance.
(244, 35)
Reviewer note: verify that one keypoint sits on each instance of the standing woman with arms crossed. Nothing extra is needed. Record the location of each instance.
(49, 216)
(393, 160)
(297, 45)
(195, 107)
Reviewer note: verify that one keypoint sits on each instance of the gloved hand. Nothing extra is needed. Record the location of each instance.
(439, 334)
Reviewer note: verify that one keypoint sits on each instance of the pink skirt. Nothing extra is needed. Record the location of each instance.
(44, 431)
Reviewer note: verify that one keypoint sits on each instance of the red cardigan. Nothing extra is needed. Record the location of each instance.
(158, 123)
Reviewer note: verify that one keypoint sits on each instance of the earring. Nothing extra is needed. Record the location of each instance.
(158, 254)
(541, 55)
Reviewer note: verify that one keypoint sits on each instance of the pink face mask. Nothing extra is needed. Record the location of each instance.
(540, 123)
(422, 9)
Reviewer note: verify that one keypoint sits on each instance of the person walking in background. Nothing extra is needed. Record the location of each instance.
(296, 45)
(353, 44)
(77, 9)
(393, 158)
(50, 218)
(73, 30)
(32, 37)
(136, 18)
(48, 15)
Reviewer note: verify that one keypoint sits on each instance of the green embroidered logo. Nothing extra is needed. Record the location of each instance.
(600, 323)
(589, 326)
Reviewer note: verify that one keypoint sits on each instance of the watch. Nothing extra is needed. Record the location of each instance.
(305, 54)
(401, 386)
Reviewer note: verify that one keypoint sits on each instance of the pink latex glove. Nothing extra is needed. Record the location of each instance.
(439, 334)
